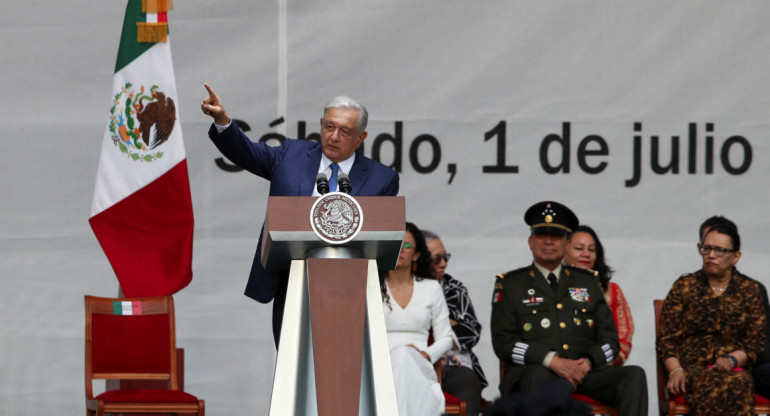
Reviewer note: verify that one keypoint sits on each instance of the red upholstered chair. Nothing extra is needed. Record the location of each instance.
(677, 405)
(453, 405)
(667, 405)
(597, 407)
(134, 339)
(761, 405)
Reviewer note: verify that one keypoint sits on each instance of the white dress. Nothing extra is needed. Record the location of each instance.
(417, 389)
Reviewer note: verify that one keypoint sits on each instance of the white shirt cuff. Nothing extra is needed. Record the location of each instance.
(548, 358)
(220, 129)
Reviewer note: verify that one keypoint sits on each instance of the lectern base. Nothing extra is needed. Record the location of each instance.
(294, 382)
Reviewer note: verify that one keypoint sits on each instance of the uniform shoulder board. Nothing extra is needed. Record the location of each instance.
(512, 272)
(592, 272)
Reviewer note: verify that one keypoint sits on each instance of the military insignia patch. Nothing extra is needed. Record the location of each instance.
(497, 296)
(579, 294)
(140, 122)
(532, 301)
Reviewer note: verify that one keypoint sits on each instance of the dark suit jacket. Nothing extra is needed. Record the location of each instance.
(291, 169)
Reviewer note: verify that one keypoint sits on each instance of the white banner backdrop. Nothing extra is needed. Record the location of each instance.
(644, 117)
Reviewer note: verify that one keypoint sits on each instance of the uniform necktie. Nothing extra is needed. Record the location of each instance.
(553, 282)
(333, 180)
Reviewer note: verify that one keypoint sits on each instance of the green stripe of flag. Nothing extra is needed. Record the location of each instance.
(129, 48)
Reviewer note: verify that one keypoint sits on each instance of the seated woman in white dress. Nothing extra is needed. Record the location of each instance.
(414, 303)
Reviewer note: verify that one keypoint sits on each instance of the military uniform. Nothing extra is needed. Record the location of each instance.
(531, 321)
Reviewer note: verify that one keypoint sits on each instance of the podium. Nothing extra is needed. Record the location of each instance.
(333, 357)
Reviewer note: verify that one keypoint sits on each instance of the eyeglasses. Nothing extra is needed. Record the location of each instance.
(407, 245)
(718, 251)
(438, 257)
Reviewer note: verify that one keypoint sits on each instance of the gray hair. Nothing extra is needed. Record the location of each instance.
(343, 101)
(429, 235)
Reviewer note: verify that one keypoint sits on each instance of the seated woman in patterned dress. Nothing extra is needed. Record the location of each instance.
(712, 329)
(413, 304)
(585, 250)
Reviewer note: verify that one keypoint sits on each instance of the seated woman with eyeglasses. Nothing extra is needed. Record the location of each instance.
(413, 304)
(712, 328)
(463, 376)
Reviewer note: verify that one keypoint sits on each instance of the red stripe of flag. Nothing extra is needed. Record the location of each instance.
(148, 236)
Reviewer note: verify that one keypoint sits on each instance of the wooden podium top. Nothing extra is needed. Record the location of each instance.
(288, 233)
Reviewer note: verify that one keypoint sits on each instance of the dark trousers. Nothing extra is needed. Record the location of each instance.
(624, 388)
(462, 383)
(554, 397)
(761, 375)
(278, 304)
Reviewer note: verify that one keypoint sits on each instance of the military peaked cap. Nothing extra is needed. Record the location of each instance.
(549, 217)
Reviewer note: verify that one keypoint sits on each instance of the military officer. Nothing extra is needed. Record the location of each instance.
(551, 321)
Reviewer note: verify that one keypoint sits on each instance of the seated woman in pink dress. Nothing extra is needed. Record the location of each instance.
(585, 250)
(414, 304)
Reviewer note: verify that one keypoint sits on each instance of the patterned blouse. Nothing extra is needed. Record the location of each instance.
(468, 328)
(623, 321)
(697, 327)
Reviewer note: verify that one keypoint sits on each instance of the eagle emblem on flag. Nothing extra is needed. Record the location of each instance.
(140, 122)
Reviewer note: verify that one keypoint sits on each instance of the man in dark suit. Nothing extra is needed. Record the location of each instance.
(550, 321)
(291, 169)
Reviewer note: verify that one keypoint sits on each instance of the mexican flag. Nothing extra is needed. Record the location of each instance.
(142, 211)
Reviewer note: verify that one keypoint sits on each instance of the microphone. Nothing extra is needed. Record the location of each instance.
(322, 183)
(344, 183)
